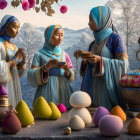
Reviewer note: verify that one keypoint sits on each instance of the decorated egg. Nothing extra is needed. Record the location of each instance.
(118, 111)
(67, 131)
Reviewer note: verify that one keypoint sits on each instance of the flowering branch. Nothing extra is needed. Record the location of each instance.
(44, 5)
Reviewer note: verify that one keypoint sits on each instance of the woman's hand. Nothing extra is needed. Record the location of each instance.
(93, 59)
(11, 63)
(20, 54)
(22, 63)
(77, 54)
(65, 67)
(51, 64)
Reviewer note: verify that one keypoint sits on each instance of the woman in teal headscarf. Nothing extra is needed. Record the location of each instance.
(12, 60)
(102, 71)
(51, 69)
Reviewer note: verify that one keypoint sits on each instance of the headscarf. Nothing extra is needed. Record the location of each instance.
(6, 21)
(103, 20)
(51, 51)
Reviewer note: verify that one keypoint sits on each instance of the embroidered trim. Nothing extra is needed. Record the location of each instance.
(36, 78)
(100, 11)
(59, 88)
(64, 84)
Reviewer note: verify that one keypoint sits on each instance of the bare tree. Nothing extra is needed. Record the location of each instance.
(31, 39)
(126, 17)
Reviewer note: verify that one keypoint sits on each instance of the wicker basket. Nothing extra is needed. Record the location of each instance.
(131, 96)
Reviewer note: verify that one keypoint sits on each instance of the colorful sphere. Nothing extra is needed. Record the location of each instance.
(99, 113)
(25, 5)
(63, 9)
(3, 4)
(31, 3)
(110, 125)
(62, 108)
(67, 131)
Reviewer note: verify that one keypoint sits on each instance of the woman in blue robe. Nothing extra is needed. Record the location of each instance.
(102, 71)
(51, 69)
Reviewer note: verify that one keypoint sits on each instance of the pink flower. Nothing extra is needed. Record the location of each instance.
(31, 3)
(25, 5)
(63, 9)
(3, 4)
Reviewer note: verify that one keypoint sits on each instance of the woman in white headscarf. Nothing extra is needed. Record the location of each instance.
(12, 60)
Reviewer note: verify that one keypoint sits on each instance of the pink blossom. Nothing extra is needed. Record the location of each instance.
(3, 4)
(31, 3)
(25, 5)
(63, 9)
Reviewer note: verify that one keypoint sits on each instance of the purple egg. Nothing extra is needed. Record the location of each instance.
(99, 113)
(62, 108)
(110, 125)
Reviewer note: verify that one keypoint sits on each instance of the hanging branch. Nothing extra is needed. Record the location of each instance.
(42, 5)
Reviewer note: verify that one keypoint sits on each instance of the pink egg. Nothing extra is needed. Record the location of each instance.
(99, 113)
(3, 4)
(63, 9)
(62, 108)
(110, 125)
(25, 5)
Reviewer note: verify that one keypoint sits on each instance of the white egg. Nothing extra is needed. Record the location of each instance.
(76, 123)
(80, 99)
(83, 113)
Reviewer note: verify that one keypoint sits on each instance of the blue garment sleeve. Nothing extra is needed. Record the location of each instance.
(114, 69)
(35, 75)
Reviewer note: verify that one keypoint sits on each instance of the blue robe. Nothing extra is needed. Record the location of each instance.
(101, 81)
(53, 86)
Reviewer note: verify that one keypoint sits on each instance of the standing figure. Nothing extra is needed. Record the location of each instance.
(103, 69)
(51, 69)
(12, 60)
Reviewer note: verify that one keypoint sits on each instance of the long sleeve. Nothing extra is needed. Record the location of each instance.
(5, 75)
(111, 70)
(22, 72)
(70, 77)
(83, 68)
(120, 57)
(36, 76)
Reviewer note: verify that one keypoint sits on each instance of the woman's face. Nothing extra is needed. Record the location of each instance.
(92, 24)
(12, 30)
(57, 38)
